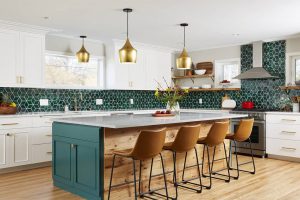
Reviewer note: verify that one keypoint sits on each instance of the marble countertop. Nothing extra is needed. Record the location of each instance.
(54, 114)
(138, 120)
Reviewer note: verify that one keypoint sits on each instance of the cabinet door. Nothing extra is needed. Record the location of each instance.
(86, 169)
(32, 59)
(19, 144)
(3, 150)
(61, 160)
(9, 51)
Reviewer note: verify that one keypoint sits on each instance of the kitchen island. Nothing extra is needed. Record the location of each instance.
(82, 149)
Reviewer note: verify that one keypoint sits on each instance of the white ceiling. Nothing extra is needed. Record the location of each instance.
(212, 22)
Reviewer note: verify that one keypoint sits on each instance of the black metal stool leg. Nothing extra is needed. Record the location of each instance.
(174, 175)
(140, 178)
(164, 173)
(134, 180)
(184, 165)
(253, 163)
(198, 168)
(203, 156)
(227, 162)
(150, 177)
(210, 170)
(111, 176)
(237, 161)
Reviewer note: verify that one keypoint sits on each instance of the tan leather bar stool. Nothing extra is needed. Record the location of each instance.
(242, 134)
(215, 137)
(185, 141)
(148, 145)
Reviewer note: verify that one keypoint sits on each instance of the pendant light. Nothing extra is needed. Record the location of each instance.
(127, 53)
(83, 55)
(184, 61)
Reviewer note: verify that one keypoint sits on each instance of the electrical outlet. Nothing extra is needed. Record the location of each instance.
(200, 101)
(131, 101)
(99, 101)
(44, 102)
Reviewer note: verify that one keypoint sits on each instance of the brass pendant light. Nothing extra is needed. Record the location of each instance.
(127, 53)
(83, 55)
(184, 61)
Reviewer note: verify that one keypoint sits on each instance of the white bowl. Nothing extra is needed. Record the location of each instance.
(206, 86)
(200, 71)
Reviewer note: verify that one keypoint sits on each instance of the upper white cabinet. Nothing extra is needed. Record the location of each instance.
(22, 57)
(153, 64)
(9, 53)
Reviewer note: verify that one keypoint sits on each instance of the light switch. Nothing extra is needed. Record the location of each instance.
(99, 101)
(131, 101)
(44, 102)
(200, 101)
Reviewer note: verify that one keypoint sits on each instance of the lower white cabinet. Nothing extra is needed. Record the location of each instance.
(41, 153)
(283, 135)
(3, 150)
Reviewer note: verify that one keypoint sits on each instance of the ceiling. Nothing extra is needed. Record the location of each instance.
(213, 23)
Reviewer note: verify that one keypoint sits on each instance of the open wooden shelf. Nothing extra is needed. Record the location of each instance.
(214, 89)
(295, 87)
(194, 76)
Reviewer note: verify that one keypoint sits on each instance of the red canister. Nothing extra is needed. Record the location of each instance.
(247, 105)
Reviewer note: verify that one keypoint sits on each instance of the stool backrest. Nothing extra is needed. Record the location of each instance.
(217, 133)
(186, 138)
(149, 144)
(244, 130)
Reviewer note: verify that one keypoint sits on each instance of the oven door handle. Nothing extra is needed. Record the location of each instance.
(255, 122)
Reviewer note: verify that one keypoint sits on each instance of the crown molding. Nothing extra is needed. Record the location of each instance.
(62, 35)
(4, 24)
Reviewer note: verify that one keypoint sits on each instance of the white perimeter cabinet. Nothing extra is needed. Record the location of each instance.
(25, 140)
(153, 64)
(22, 58)
(283, 135)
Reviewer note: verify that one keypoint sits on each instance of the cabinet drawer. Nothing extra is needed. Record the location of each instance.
(42, 122)
(283, 119)
(283, 131)
(15, 122)
(41, 135)
(283, 147)
(41, 153)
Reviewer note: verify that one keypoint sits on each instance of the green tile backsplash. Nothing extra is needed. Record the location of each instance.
(265, 93)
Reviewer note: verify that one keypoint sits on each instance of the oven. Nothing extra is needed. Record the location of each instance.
(258, 138)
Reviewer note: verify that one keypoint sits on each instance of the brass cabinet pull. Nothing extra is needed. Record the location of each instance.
(289, 120)
(49, 135)
(288, 132)
(9, 134)
(73, 146)
(9, 124)
(22, 79)
(288, 148)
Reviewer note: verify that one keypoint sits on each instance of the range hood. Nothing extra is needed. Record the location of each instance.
(257, 72)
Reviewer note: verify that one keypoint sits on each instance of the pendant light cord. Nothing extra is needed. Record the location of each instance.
(127, 25)
(184, 36)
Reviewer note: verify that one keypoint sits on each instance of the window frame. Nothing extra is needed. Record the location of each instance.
(219, 74)
(100, 72)
(290, 69)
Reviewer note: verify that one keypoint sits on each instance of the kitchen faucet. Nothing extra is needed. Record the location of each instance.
(77, 103)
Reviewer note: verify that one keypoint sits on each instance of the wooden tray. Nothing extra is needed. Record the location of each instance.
(8, 110)
(163, 115)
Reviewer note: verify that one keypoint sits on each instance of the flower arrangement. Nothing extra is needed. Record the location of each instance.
(170, 95)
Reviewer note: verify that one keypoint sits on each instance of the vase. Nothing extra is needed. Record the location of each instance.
(173, 107)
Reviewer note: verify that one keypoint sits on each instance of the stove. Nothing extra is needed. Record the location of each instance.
(258, 135)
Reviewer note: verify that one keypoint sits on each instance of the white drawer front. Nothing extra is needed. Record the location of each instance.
(283, 131)
(17, 122)
(41, 153)
(41, 135)
(283, 119)
(283, 147)
(42, 121)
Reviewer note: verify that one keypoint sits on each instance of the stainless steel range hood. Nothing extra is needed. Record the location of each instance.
(257, 72)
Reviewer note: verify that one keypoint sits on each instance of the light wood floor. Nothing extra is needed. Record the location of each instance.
(275, 180)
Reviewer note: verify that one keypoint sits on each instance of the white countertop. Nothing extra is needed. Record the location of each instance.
(283, 113)
(138, 120)
(59, 114)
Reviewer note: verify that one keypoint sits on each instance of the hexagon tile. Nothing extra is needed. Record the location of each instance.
(265, 93)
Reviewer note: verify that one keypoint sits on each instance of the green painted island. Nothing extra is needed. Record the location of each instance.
(82, 147)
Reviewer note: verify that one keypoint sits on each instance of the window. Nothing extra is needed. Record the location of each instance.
(227, 70)
(297, 69)
(66, 71)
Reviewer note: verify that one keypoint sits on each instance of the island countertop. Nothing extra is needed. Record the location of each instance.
(139, 120)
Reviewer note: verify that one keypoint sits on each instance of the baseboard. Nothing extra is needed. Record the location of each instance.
(286, 158)
(25, 167)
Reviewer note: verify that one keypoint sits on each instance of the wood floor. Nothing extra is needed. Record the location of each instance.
(275, 180)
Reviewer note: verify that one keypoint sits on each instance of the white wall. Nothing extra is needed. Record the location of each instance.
(293, 45)
(72, 45)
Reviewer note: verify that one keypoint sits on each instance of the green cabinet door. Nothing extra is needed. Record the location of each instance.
(86, 167)
(62, 160)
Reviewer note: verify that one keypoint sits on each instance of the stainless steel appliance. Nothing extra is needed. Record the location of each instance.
(258, 135)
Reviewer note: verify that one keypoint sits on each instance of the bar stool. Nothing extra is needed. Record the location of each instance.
(148, 145)
(215, 137)
(185, 141)
(242, 134)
